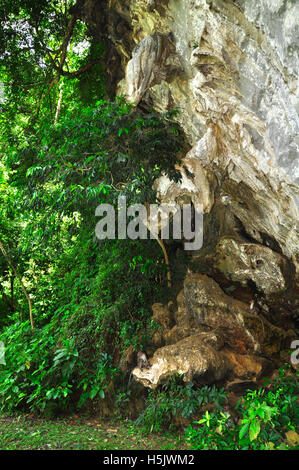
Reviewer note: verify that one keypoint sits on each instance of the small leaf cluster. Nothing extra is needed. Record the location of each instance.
(177, 400)
(266, 416)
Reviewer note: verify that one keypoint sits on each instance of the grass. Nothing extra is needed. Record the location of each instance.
(26, 432)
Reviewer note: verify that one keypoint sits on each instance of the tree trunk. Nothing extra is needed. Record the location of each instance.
(5, 254)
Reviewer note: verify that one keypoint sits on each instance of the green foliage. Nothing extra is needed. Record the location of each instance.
(99, 303)
(31, 48)
(89, 298)
(42, 377)
(67, 145)
(112, 305)
(266, 416)
(175, 400)
(94, 155)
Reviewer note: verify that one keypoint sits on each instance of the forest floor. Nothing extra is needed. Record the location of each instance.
(27, 432)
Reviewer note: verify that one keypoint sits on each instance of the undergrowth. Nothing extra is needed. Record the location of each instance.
(268, 420)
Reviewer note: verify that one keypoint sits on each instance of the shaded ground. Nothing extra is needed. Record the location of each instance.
(26, 432)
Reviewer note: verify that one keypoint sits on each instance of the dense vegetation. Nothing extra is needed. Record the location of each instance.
(66, 148)
(70, 304)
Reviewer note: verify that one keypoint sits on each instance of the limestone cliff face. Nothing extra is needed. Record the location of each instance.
(231, 67)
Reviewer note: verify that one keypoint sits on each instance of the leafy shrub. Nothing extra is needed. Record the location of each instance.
(69, 144)
(42, 377)
(176, 400)
(68, 359)
(91, 299)
(266, 416)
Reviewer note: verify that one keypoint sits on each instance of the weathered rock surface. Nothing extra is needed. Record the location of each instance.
(249, 261)
(150, 64)
(192, 357)
(231, 68)
(210, 337)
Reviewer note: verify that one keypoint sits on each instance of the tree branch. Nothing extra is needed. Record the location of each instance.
(166, 259)
(81, 70)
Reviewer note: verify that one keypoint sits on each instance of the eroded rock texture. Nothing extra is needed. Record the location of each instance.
(231, 67)
(210, 337)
